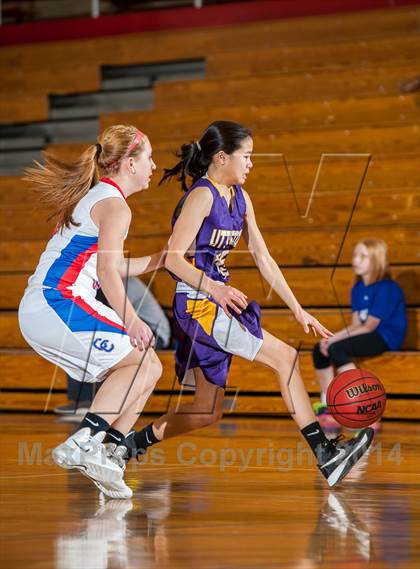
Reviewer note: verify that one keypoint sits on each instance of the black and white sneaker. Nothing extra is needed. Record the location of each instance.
(337, 457)
(132, 450)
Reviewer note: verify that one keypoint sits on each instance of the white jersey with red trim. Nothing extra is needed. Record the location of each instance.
(59, 315)
(69, 261)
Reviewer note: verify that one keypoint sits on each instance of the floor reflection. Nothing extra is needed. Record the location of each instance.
(197, 517)
(361, 525)
(120, 533)
(101, 542)
(339, 533)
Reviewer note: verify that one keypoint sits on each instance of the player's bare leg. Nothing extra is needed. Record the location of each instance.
(206, 409)
(335, 458)
(118, 403)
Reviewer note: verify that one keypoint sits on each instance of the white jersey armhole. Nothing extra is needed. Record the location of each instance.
(96, 203)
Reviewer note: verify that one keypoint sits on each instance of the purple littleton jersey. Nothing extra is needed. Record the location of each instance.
(219, 232)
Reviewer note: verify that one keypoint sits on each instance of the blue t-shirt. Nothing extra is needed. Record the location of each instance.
(384, 300)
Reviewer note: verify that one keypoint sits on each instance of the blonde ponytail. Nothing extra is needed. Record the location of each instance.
(62, 185)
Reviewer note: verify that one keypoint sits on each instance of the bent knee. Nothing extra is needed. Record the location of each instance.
(286, 357)
(207, 419)
(340, 353)
(154, 364)
(143, 362)
(207, 416)
(336, 348)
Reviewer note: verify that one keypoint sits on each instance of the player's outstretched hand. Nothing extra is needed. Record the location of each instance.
(141, 336)
(228, 296)
(310, 322)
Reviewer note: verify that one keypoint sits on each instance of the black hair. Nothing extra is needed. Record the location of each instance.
(196, 157)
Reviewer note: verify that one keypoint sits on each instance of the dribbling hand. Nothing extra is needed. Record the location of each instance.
(310, 322)
(229, 297)
(140, 334)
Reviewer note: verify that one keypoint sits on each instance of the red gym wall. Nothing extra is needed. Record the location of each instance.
(216, 15)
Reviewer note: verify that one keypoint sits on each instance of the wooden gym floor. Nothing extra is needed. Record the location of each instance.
(241, 494)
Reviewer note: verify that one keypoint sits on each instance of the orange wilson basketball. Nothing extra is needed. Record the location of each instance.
(356, 398)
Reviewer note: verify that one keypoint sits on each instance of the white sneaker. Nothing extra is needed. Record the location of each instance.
(87, 453)
(115, 488)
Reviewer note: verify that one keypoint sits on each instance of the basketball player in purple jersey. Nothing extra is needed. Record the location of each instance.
(215, 320)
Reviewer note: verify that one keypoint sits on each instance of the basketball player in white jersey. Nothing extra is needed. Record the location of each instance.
(59, 315)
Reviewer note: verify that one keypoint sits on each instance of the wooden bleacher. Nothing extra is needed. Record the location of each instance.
(152, 215)
(278, 321)
(66, 77)
(155, 46)
(310, 248)
(40, 378)
(257, 89)
(310, 44)
(382, 51)
(304, 93)
(386, 173)
(260, 88)
(311, 285)
(393, 110)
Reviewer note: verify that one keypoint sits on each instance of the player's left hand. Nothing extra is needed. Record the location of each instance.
(311, 323)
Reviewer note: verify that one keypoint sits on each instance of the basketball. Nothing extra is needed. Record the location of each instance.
(356, 398)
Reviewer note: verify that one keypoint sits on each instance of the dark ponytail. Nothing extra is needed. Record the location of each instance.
(196, 157)
(193, 163)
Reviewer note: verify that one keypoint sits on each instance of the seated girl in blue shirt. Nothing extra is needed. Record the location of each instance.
(379, 321)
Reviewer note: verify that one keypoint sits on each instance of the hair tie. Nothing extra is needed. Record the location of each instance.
(198, 145)
(98, 148)
(138, 137)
